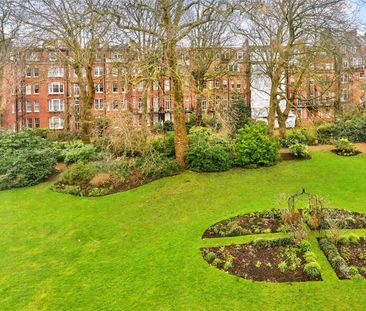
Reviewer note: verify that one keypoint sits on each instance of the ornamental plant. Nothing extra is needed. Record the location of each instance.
(254, 147)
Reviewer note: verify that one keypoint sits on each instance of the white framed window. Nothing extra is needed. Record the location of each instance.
(217, 100)
(328, 67)
(28, 72)
(77, 107)
(362, 75)
(232, 84)
(55, 88)
(167, 103)
(167, 85)
(98, 104)
(115, 87)
(156, 104)
(29, 123)
(52, 57)
(56, 123)
(115, 71)
(344, 77)
(224, 84)
(98, 71)
(99, 88)
(56, 105)
(238, 85)
(344, 95)
(76, 90)
(37, 123)
(240, 55)
(28, 90)
(155, 85)
(139, 102)
(56, 72)
(204, 103)
(124, 104)
(115, 105)
(28, 107)
(35, 71)
(210, 84)
(36, 106)
(140, 86)
(36, 89)
(217, 83)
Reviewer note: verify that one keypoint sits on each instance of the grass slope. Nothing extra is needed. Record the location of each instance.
(139, 250)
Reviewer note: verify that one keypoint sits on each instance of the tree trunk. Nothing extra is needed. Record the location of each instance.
(180, 132)
(145, 96)
(282, 124)
(88, 103)
(199, 85)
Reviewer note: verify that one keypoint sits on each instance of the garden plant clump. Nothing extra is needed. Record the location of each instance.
(279, 260)
(26, 159)
(114, 174)
(254, 223)
(344, 147)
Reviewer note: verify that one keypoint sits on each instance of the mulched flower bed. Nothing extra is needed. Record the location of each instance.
(342, 219)
(261, 222)
(257, 263)
(355, 255)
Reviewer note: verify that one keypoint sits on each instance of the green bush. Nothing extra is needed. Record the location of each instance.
(163, 145)
(299, 151)
(299, 136)
(354, 129)
(254, 147)
(345, 147)
(305, 246)
(155, 165)
(168, 126)
(210, 257)
(78, 173)
(208, 152)
(76, 152)
(312, 269)
(26, 158)
(354, 238)
(309, 257)
(228, 265)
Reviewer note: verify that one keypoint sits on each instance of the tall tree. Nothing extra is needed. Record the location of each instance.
(76, 33)
(9, 28)
(206, 44)
(286, 35)
(175, 22)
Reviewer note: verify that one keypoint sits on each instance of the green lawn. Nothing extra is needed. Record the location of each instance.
(140, 250)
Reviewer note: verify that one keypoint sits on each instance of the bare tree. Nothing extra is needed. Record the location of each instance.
(76, 34)
(206, 43)
(9, 27)
(175, 22)
(286, 35)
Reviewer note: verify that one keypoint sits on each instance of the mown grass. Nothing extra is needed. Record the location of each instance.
(140, 250)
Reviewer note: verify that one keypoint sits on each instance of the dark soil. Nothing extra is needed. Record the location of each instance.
(343, 219)
(136, 179)
(355, 255)
(255, 263)
(246, 224)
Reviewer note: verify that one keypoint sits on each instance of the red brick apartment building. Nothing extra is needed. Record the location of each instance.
(46, 93)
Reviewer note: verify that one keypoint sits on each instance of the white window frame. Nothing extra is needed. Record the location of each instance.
(98, 104)
(56, 123)
(56, 88)
(56, 72)
(56, 104)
